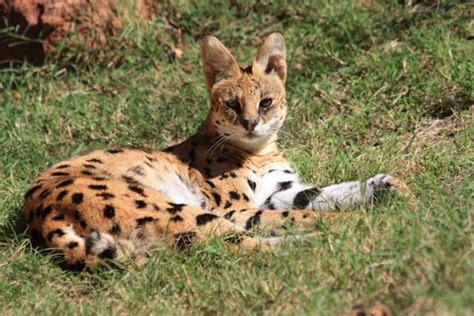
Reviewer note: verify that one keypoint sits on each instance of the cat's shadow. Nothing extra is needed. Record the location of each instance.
(14, 227)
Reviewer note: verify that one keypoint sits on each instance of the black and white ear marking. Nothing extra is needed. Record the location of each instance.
(217, 60)
(271, 57)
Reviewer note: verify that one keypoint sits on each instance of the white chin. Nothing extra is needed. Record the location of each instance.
(251, 141)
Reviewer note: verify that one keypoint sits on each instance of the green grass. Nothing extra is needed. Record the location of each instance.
(371, 88)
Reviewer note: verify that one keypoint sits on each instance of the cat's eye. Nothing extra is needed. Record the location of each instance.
(265, 103)
(234, 104)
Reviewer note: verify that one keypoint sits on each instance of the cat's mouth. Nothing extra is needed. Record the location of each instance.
(253, 135)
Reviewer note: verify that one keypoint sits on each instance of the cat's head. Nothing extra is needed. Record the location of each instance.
(248, 105)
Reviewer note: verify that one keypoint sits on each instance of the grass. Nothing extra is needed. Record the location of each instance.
(372, 87)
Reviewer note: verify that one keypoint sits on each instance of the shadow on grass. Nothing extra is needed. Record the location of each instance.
(14, 227)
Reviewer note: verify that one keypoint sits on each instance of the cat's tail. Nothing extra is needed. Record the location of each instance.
(105, 247)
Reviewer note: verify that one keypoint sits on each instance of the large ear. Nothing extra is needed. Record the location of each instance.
(217, 60)
(271, 57)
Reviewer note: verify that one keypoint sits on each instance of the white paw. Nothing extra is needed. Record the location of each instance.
(102, 245)
(384, 182)
(380, 182)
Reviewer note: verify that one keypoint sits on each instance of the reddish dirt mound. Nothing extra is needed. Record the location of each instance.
(30, 28)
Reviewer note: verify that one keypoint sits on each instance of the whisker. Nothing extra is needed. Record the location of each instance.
(220, 140)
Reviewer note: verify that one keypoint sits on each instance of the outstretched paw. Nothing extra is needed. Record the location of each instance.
(383, 183)
(380, 182)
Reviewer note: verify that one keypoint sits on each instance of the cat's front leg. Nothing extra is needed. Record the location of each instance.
(357, 192)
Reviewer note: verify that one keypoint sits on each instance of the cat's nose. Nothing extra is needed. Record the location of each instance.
(249, 125)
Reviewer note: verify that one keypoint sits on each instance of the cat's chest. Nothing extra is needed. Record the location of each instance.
(250, 185)
(270, 179)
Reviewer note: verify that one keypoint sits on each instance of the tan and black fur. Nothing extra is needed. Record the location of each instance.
(226, 180)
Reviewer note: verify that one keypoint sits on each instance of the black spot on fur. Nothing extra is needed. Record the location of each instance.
(203, 219)
(217, 198)
(116, 229)
(44, 194)
(254, 220)
(59, 174)
(184, 240)
(87, 173)
(108, 254)
(58, 217)
(55, 233)
(224, 176)
(105, 195)
(62, 166)
(282, 186)
(155, 207)
(32, 190)
(211, 184)
(89, 166)
(285, 214)
(303, 198)
(252, 184)
(94, 160)
(148, 164)
(97, 187)
(234, 195)
(114, 151)
(227, 205)
(176, 219)
(267, 202)
(305, 215)
(77, 215)
(61, 195)
(72, 244)
(136, 189)
(109, 211)
(148, 219)
(77, 198)
(130, 180)
(46, 211)
(65, 183)
(288, 171)
(229, 215)
(140, 204)
(83, 223)
(151, 158)
(175, 207)
(246, 198)
(138, 170)
(233, 175)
